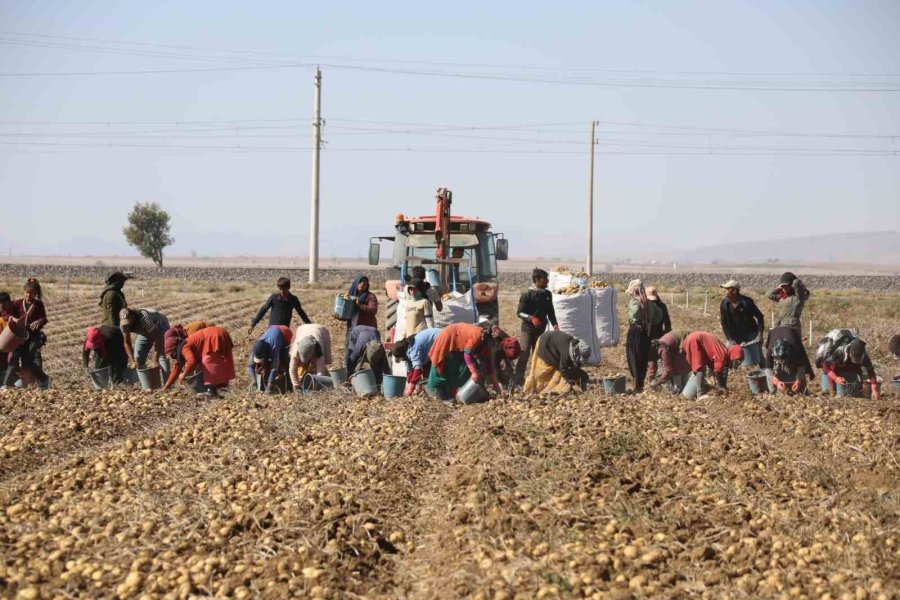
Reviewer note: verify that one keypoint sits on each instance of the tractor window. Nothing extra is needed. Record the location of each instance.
(487, 259)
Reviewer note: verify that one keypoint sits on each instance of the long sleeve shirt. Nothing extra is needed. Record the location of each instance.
(536, 302)
(282, 310)
(702, 349)
(112, 301)
(672, 357)
(277, 338)
(319, 364)
(367, 312)
(30, 314)
(742, 321)
(789, 309)
(665, 325)
(646, 317)
(360, 336)
(419, 345)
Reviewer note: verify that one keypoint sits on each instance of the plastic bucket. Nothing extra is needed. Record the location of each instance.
(150, 379)
(315, 383)
(13, 335)
(100, 378)
(471, 393)
(393, 386)
(364, 383)
(194, 382)
(852, 388)
(338, 377)
(758, 382)
(614, 385)
(678, 381)
(867, 387)
(343, 308)
(752, 354)
(826, 384)
(693, 386)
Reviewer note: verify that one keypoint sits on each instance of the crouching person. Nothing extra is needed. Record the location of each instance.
(414, 352)
(150, 327)
(788, 363)
(310, 353)
(456, 355)
(269, 359)
(704, 351)
(556, 364)
(106, 345)
(842, 356)
(675, 366)
(209, 351)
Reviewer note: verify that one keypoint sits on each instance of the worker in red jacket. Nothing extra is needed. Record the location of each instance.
(703, 350)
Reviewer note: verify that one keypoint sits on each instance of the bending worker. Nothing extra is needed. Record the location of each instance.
(842, 354)
(787, 360)
(556, 364)
(704, 351)
(310, 352)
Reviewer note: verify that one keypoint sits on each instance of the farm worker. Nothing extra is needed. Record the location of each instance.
(150, 326)
(6, 305)
(310, 352)
(30, 312)
(428, 291)
(366, 352)
(841, 354)
(671, 356)
(704, 351)
(556, 364)
(419, 316)
(195, 326)
(742, 323)
(643, 316)
(536, 312)
(208, 351)
(454, 274)
(787, 360)
(791, 296)
(112, 299)
(665, 324)
(414, 351)
(456, 354)
(269, 356)
(282, 306)
(107, 345)
(365, 313)
(506, 352)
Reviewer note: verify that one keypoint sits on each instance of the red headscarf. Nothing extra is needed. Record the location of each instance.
(511, 348)
(95, 341)
(173, 337)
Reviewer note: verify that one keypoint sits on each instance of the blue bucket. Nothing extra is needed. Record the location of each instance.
(343, 308)
(853, 387)
(393, 386)
(614, 385)
(758, 382)
(826, 384)
(364, 383)
(338, 377)
(752, 355)
(678, 381)
(693, 386)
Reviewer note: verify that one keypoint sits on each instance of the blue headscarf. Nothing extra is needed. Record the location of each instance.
(353, 292)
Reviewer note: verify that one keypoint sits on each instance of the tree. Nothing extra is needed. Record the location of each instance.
(148, 230)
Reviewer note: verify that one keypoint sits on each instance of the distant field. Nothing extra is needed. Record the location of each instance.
(123, 493)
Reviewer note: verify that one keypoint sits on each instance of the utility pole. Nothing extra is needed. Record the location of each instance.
(314, 203)
(589, 265)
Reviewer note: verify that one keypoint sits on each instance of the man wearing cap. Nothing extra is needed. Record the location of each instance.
(791, 296)
(704, 351)
(742, 322)
(842, 354)
(270, 355)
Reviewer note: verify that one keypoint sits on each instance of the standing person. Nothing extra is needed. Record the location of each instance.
(556, 364)
(6, 311)
(643, 315)
(742, 322)
(674, 362)
(414, 351)
(365, 314)
(107, 345)
(790, 297)
(29, 311)
(150, 326)
(536, 311)
(112, 299)
(209, 351)
(665, 324)
(457, 353)
(419, 316)
(787, 359)
(282, 305)
(704, 351)
(310, 353)
(269, 357)
(428, 291)
(841, 354)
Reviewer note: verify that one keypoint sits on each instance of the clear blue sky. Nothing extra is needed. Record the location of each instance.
(512, 151)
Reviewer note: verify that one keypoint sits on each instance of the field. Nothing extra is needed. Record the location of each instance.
(127, 494)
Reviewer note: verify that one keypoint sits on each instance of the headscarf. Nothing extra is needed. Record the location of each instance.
(306, 348)
(735, 353)
(173, 337)
(117, 279)
(636, 290)
(355, 285)
(399, 349)
(261, 351)
(579, 351)
(95, 341)
(511, 348)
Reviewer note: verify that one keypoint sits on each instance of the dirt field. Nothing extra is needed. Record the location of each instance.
(126, 494)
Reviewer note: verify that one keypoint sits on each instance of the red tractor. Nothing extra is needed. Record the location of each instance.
(462, 250)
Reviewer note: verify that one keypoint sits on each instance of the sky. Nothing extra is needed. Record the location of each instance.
(717, 121)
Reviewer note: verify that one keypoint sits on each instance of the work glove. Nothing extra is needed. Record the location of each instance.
(876, 390)
(838, 379)
(556, 328)
(798, 385)
(536, 322)
(779, 385)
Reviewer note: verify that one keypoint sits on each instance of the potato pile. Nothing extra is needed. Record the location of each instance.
(597, 284)
(572, 288)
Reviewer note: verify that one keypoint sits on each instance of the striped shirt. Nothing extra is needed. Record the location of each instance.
(150, 324)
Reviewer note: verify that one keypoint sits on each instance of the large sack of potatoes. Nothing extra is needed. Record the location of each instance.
(458, 308)
(590, 315)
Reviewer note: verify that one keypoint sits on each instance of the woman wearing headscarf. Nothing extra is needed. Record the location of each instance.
(414, 351)
(790, 297)
(112, 299)
(457, 353)
(310, 352)
(269, 357)
(419, 315)
(208, 351)
(107, 345)
(787, 360)
(365, 313)
(556, 364)
(643, 316)
(30, 312)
